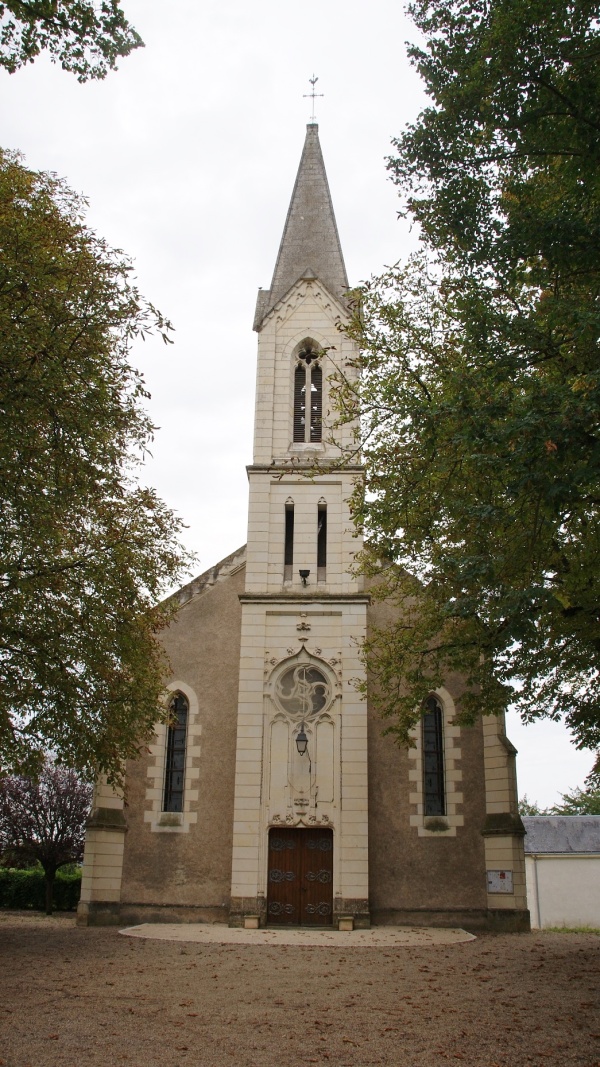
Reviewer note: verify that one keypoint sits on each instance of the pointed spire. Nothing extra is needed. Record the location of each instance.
(310, 246)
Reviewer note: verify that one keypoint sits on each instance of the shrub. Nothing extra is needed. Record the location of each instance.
(26, 889)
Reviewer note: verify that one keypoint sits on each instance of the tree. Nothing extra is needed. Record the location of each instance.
(42, 820)
(480, 387)
(85, 37)
(530, 807)
(578, 802)
(87, 554)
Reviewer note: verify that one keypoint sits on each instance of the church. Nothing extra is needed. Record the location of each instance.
(272, 796)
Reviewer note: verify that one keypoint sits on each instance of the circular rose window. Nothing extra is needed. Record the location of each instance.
(303, 691)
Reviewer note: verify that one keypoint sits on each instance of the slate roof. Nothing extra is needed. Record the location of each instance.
(562, 833)
(310, 246)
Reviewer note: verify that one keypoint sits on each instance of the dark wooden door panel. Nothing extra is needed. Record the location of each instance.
(283, 899)
(300, 877)
(317, 878)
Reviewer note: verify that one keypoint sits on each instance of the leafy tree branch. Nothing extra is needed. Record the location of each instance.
(87, 553)
(479, 384)
(86, 37)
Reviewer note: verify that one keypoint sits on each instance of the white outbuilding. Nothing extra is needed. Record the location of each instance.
(562, 866)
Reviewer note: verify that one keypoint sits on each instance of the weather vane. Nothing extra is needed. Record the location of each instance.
(313, 81)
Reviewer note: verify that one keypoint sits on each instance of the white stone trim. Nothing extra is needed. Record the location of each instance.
(170, 821)
(452, 773)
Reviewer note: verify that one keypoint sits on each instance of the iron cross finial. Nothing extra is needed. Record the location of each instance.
(313, 81)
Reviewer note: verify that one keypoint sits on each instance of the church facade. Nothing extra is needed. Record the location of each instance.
(273, 797)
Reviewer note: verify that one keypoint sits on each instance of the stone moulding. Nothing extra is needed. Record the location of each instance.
(503, 823)
(107, 819)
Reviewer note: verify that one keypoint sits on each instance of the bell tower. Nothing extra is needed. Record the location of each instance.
(300, 825)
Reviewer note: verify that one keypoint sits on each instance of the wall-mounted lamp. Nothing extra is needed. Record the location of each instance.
(304, 575)
(301, 741)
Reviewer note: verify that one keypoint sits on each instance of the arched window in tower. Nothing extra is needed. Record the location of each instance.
(316, 402)
(300, 403)
(175, 756)
(434, 793)
(308, 393)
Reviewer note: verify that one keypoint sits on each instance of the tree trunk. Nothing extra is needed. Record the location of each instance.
(49, 880)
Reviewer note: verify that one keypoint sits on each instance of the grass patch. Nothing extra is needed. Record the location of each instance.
(571, 930)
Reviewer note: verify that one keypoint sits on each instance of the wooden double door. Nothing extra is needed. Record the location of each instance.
(300, 878)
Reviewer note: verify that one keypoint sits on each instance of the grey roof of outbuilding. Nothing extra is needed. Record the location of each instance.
(310, 246)
(562, 833)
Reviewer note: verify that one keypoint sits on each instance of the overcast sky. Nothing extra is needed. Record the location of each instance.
(187, 155)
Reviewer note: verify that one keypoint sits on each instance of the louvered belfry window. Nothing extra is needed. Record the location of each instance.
(434, 793)
(316, 402)
(300, 402)
(175, 762)
(308, 394)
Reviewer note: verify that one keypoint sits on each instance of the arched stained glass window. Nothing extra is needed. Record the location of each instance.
(434, 793)
(175, 760)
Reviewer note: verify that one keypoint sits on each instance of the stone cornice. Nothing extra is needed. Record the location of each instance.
(304, 598)
(304, 468)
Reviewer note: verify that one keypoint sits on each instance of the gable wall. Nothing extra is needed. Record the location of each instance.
(191, 870)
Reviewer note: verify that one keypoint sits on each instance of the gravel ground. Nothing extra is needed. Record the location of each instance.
(76, 997)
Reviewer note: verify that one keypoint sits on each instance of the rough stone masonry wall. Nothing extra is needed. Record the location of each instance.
(418, 875)
(181, 868)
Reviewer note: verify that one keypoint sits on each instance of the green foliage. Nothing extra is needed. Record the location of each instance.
(27, 889)
(42, 821)
(530, 807)
(86, 38)
(86, 553)
(574, 802)
(570, 930)
(578, 802)
(480, 380)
